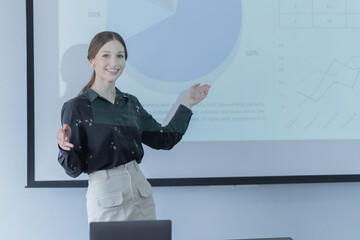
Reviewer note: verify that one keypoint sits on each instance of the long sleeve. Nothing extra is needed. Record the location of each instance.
(164, 137)
(73, 161)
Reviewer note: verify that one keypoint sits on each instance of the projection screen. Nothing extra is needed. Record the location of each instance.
(284, 102)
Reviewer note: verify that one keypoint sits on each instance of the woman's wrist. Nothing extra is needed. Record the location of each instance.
(186, 104)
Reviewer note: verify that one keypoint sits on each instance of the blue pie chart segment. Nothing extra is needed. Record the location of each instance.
(185, 45)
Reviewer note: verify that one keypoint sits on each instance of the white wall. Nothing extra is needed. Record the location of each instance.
(302, 211)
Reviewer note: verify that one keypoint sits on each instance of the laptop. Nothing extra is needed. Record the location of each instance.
(131, 230)
(280, 238)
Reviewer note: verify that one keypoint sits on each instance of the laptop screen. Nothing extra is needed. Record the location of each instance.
(131, 230)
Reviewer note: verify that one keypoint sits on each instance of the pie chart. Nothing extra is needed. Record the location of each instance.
(174, 41)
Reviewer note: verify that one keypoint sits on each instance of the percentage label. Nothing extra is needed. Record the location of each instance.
(251, 53)
(94, 14)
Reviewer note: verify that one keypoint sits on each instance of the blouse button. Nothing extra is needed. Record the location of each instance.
(110, 202)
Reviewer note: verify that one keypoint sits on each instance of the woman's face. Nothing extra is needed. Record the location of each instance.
(109, 62)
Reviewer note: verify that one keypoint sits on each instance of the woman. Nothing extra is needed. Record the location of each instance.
(103, 131)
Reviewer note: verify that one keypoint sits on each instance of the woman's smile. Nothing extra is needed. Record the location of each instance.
(112, 71)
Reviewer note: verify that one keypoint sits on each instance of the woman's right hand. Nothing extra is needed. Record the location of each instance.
(63, 138)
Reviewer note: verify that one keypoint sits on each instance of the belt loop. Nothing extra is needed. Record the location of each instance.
(106, 174)
(136, 165)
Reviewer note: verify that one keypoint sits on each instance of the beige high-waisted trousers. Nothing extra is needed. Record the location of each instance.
(119, 194)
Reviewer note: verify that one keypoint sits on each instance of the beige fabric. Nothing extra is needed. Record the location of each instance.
(120, 194)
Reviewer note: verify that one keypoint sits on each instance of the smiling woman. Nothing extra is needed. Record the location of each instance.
(103, 131)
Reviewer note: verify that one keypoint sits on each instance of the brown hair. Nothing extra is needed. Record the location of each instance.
(98, 41)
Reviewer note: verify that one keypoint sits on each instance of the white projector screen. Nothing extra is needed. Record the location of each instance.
(284, 101)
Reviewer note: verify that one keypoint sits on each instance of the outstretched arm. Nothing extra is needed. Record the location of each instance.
(195, 94)
(69, 138)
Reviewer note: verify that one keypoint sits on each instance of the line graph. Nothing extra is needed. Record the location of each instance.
(316, 84)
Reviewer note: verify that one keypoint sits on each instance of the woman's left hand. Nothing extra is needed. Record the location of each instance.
(195, 94)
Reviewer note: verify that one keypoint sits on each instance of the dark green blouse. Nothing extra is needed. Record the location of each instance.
(107, 135)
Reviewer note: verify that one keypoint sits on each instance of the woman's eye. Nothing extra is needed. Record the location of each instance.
(120, 56)
(106, 55)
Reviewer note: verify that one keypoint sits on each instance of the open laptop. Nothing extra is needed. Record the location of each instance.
(131, 230)
(280, 238)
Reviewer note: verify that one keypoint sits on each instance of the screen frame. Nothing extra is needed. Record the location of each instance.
(158, 182)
